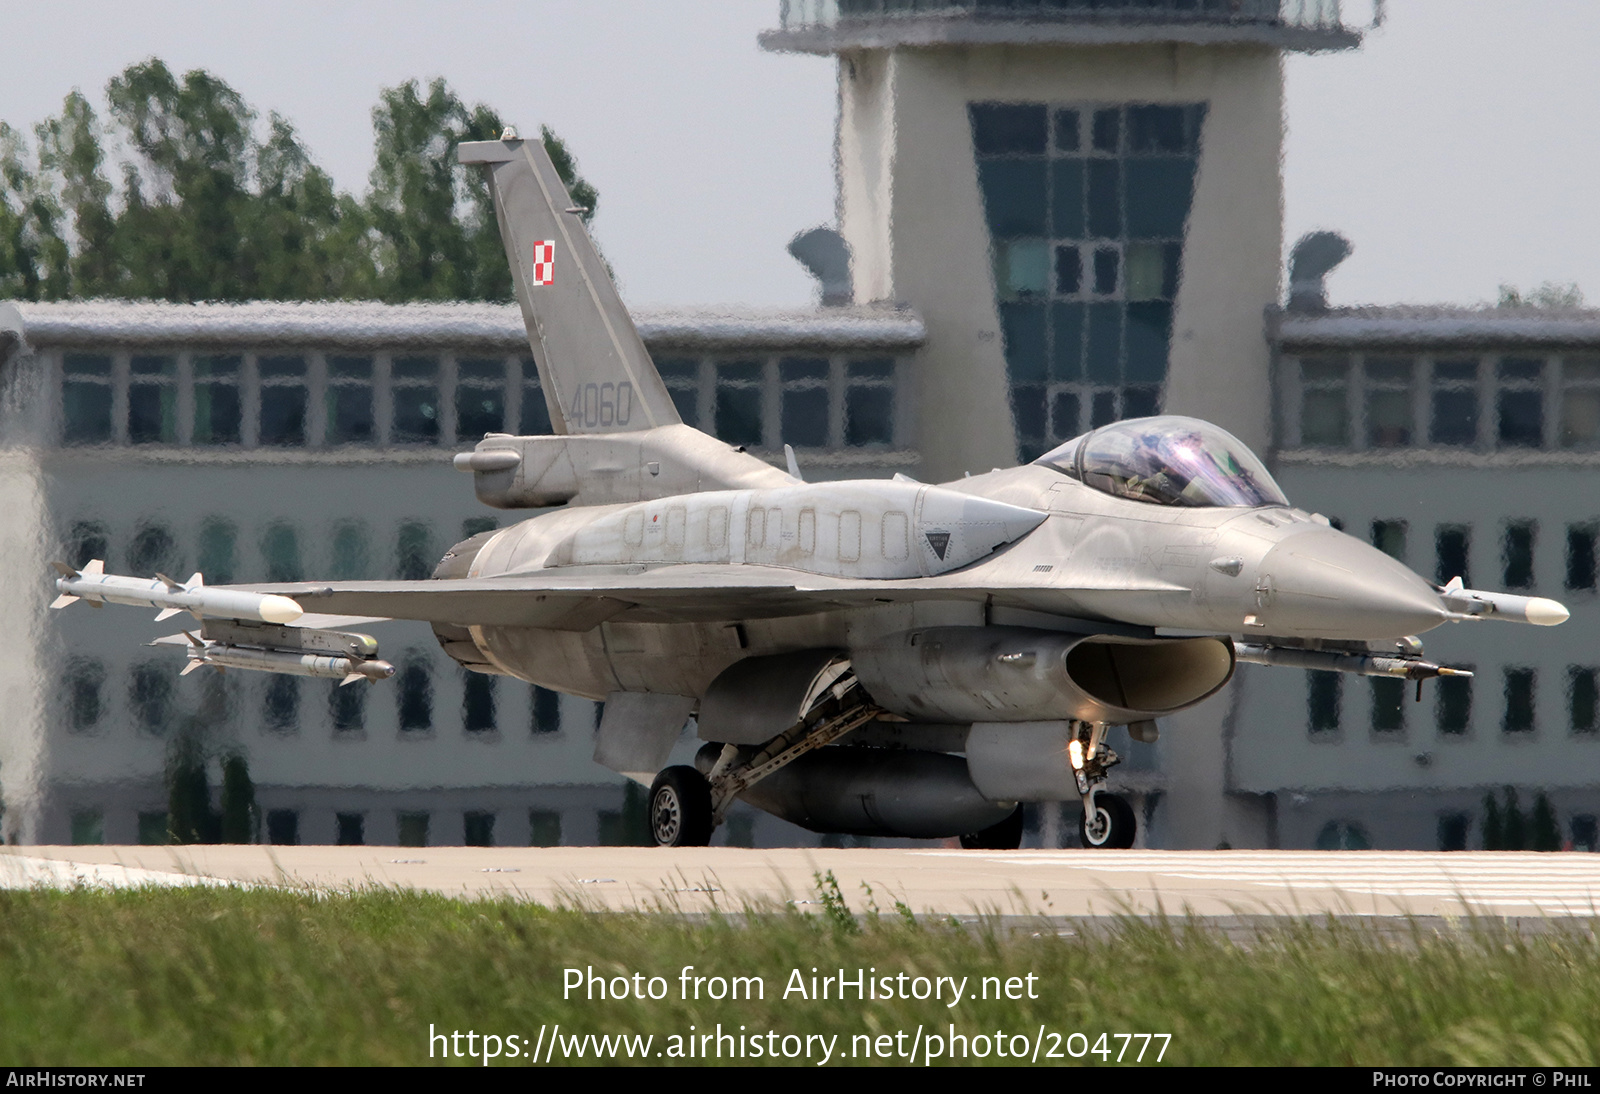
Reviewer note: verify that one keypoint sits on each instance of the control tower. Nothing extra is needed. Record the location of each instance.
(1083, 200)
(1082, 197)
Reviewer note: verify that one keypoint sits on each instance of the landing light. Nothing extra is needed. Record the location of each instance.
(1075, 754)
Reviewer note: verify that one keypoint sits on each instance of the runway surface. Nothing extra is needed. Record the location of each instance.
(1055, 884)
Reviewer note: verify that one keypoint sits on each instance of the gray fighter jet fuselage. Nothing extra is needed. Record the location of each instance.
(875, 657)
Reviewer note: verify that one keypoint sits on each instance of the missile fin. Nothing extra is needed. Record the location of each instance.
(168, 613)
(196, 579)
(193, 641)
(96, 603)
(96, 567)
(191, 666)
(64, 570)
(172, 586)
(351, 678)
(63, 600)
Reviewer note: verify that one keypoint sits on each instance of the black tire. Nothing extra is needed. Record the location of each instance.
(1005, 836)
(680, 808)
(1118, 826)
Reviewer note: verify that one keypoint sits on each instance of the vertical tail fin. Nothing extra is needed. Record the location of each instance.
(595, 372)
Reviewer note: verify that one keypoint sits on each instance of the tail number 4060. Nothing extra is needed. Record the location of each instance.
(602, 404)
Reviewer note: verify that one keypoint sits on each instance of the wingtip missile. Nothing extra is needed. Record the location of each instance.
(170, 597)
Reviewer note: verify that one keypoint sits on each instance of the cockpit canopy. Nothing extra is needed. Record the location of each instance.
(1169, 461)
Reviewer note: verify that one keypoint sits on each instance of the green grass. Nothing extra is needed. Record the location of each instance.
(216, 976)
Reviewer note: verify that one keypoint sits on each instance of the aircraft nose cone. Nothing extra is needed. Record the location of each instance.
(1324, 584)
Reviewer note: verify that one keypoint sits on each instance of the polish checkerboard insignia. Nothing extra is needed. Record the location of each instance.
(544, 262)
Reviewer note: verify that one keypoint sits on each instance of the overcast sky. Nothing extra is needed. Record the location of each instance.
(1458, 149)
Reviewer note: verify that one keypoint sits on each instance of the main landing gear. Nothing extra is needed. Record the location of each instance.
(1107, 820)
(686, 806)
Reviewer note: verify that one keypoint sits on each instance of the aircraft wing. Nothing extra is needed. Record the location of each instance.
(579, 598)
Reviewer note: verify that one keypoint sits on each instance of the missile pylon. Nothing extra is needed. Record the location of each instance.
(97, 587)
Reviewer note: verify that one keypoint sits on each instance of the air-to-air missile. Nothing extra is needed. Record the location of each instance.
(240, 630)
(96, 586)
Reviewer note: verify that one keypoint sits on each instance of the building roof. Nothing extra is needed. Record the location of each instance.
(496, 326)
(1439, 325)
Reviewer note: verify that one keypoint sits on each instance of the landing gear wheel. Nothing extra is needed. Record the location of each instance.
(680, 808)
(1114, 825)
(1005, 836)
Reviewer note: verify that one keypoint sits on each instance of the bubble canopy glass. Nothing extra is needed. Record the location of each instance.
(1167, 460)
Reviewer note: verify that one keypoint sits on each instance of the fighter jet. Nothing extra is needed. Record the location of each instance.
(866, 657)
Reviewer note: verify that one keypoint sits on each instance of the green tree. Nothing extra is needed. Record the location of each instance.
(1514, 824)
(1546, 834)
(206, 210)
(33, 256)
(1494, 835)
(71, 158)
(238, 820)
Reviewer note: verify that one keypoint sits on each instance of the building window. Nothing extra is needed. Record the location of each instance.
(1388, 705)
(347, 706)
(152, 551)
(1452, 543)
(1519, 701)
(216, 400)
(1453, 705)
(414, 384)
(682, 377)
(284, 398)
(803, 404)
(1324, 690)
(352, 829)
(351, 559)
(1585, 833)
(480, 398)
(740, 417)
(280, 550)
(283, 827)
(217, 540)
(153, 400)
(1388, 390)
(282, 708)
(1454, 420)
(1389, 536)
(479, 829)
(349, 401)
(1343, 835)
(1516, 553)
(546, 710)
(413, 829)
(1581, 557)
(1086, 208)
(150, 697)
(535, 410)
(87, 541)
(84, 679)
(414, 557)
(1325, 401)
(153, 829)
(1520, 405)
(544, 828)
(1583, 696)
(86, 382)
(1453, 831)
(1580, 402)
(477, 704)
(415, 696)
(869, 403)
(88, 827)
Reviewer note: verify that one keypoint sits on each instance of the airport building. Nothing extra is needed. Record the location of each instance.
(1052, 214)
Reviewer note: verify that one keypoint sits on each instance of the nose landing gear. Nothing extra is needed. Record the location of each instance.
(1107, 820)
